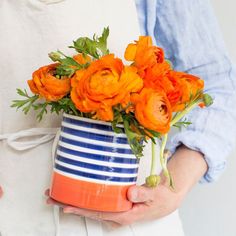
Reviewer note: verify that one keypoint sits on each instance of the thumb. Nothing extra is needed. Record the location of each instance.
(140, 194)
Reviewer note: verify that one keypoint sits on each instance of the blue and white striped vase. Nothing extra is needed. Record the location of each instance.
(94, 166)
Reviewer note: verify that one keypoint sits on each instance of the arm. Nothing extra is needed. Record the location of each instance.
(188, 31)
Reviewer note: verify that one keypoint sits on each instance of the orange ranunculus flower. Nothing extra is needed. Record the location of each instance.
(157, 77)
(144, 54)
(185, 88)
(47, 85)
(153, 110)
(105, 83)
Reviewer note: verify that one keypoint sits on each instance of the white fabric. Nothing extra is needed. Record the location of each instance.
(43, 135)
(30, 29)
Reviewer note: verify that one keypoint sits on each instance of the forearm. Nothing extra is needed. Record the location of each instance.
(186, 167)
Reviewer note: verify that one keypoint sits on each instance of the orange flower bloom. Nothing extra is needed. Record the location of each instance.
(156, 76)
(186, 85)
(105, 83)
(48, 86)
(144, 54)
(153, 110)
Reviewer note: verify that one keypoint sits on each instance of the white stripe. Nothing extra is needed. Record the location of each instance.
(98, 142)
(97, 172)
(91, 120)
(98, 181)
(93, 130)
(96, 162)
(93, 151)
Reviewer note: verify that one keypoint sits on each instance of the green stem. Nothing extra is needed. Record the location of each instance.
(162, 149)
(153, 159)
(163, 161)
(184, 112)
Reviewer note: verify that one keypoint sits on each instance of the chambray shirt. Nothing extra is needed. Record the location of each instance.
(189, 34)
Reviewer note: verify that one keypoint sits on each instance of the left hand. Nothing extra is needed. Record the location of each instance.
(149, 203)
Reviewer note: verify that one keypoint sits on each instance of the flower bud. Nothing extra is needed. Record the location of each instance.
(207, 99)
(54, 56)
(153, 180)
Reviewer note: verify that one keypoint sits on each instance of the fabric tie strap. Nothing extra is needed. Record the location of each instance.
(51, 1)
(37, 137)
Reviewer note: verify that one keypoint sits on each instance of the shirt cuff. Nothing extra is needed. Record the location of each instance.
(208, 145)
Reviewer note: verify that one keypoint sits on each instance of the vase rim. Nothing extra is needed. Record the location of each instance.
(91, 120)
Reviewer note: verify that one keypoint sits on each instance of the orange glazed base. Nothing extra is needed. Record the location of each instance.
(93, 196)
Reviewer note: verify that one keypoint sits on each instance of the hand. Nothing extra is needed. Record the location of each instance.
(186, 166)
(149, 203)
(1, 192)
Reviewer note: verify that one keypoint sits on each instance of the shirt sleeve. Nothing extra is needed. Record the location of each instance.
(189, 33)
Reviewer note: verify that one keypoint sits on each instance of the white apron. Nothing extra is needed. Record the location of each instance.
(30, 29)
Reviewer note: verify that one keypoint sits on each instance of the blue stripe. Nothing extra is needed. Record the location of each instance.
(97, 167)
(90, 135)
(95, 176)
(98, 157)
(96, 147)
(89, 125)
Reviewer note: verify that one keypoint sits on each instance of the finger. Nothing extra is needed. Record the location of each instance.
(51, 201)
(1, 192)
(96, 215)
(47, 192)
(122, 218)
(138, 194)
(137, 213)
(110, 225)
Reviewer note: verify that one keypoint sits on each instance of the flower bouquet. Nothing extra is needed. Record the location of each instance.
(110, 111)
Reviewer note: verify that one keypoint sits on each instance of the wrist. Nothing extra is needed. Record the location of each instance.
(186, 167)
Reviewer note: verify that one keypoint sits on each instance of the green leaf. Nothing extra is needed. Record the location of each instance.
(64, 70)
(102, 41)
(135, 140)
(116, 129)
(154, 133)
(22, 93)
(27, 103)
(95, 47)
(65, 105)
(118, 119)
(42, 107)
(181, 124)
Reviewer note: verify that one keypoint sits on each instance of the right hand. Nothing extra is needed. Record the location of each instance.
(1, 192)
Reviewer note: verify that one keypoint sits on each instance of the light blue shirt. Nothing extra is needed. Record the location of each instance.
(189, 34)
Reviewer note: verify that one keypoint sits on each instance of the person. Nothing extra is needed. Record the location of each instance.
(188, 32)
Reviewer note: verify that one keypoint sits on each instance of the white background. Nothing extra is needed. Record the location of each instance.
(210, 209)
